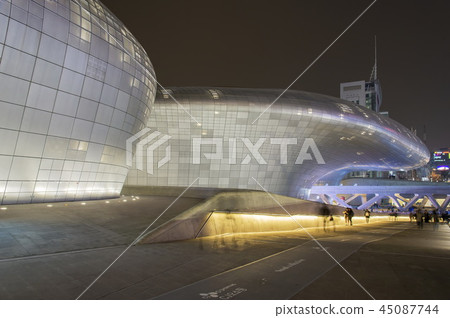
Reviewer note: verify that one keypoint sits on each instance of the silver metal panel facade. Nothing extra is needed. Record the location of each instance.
(348, 137)
(74, 85)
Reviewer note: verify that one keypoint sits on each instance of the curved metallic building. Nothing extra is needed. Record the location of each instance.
(76, 89)
(74, 86)
(301, 139)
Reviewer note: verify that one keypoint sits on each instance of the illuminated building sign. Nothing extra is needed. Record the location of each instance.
(441, 156)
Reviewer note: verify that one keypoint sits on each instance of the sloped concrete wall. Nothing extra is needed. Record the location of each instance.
(229, 213)
(227, 223)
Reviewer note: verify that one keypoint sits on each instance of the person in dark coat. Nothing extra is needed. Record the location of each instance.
(325, 213)
(346, 216)
(350, 216)
(419, 218)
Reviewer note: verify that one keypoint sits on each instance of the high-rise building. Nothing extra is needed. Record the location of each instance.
(440, 164)
(354, 92)
(367, 94)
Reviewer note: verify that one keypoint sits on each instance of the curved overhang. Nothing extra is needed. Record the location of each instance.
(348, 137)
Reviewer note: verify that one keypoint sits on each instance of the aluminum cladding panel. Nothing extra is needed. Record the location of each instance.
(74, 85)
(242, 147)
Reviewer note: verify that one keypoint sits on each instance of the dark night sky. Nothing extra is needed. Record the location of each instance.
(267, 44)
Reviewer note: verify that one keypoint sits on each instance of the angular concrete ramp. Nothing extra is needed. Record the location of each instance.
(243, 212)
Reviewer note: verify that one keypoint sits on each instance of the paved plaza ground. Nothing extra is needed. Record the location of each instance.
(55, 251)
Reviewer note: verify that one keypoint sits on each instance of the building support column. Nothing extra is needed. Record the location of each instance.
(324, 198)
(370, 202)
(395, 199)
(445, 204)
(412, 201)
(433, 201)
(353, 197)
(424, 201)
(363, 198)
(399, 197)
(339, 201)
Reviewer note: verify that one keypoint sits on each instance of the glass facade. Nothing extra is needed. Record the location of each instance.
(348, 137)
(74, 86)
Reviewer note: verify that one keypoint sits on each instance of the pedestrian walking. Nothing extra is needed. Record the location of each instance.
(325, 213)
(346, 216)
(445, 217)
(426, 216)
(367, 215)
(435, 217)
(331, 219)
(350, 216)
(419, 218)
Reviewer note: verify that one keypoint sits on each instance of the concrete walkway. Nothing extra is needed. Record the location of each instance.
(37, 229)
(283, 274)
(413, 264)
(56, 252)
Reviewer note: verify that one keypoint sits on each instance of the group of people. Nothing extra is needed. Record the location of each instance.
(348, 216)
(423, 216)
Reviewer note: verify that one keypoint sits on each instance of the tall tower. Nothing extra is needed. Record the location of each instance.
(374, 75)
(373, 87)
(367, 94)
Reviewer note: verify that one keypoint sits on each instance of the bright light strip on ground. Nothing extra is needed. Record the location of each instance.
(299, 217)
(265, 217)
